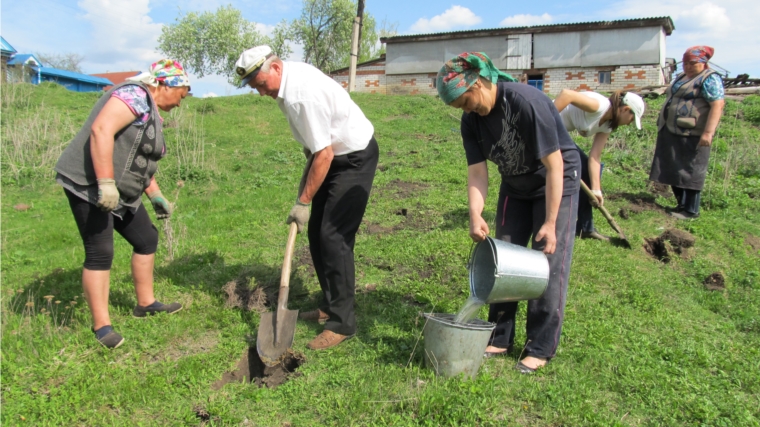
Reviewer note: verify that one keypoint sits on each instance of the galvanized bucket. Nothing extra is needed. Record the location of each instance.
(455, 348)
(503, 272)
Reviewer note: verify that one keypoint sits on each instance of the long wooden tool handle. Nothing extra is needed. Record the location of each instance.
(602, 209)
(282, 299)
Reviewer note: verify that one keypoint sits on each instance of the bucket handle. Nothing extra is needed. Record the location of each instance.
(472, 250)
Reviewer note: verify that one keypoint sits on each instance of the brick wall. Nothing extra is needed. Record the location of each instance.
(623, 77)
(369, 79)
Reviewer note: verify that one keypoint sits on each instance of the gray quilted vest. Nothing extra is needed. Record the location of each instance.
(137, 149)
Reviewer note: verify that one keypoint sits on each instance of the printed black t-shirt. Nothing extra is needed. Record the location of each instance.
(523, 127)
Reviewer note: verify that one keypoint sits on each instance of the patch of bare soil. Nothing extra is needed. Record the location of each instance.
(189, 346)
(250, 369)
(246, 294)
(22, 207)
(398, 189)
(659, 189)
(638, 203)
(715, 282)
(753, 242)
(670, 243)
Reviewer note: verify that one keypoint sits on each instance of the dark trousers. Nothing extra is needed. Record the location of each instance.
(585, 210)
(516, 222)
(96, 228)
(688, 200)
(336, 213)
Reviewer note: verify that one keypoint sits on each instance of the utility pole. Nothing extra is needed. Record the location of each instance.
(355, 37)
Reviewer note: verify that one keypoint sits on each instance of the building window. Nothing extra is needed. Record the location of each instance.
(605, 77)
(537, 81)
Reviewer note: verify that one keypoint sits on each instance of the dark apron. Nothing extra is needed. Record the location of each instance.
(679, 161)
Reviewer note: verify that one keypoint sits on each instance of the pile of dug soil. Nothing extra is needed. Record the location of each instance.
(250, 369)
(670, 243)
(715, 282)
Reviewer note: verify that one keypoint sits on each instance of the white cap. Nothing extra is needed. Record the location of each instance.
(250, 62)
(637, 106)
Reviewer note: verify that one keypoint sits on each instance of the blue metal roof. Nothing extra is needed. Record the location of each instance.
(23, 58)
(47, 71)
(6, 47)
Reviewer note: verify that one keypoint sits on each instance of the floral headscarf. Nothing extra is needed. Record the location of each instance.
(698, 54)
(166, 71)
(459, 73)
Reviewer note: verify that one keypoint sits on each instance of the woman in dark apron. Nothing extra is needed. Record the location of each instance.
(687, 124)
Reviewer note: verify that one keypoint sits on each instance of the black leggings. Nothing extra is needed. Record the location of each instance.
(96, 228)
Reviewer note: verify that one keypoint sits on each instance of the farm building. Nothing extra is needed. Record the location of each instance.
(6, 53)
(600, 56)
(116, 78)
(28, 68)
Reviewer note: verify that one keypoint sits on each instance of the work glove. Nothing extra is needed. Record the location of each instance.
(299, 214)
(599, 197)
(108, 194)
(160, 205)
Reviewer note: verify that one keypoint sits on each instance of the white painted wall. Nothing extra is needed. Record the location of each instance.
(625, 46)
(429, 56)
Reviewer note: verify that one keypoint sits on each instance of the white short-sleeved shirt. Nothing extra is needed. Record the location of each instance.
(584, 122)
(320, 112)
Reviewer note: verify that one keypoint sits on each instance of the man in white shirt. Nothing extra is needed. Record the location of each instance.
(336, 182)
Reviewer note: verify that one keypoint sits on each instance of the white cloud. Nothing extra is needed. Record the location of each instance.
(123, 35)
(730, 27)
(264, 29)
(456, 16)
(526, 20)
(209, 95)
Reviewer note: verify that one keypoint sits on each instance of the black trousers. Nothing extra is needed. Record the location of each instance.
(516, 222)
(585, 210)
(96, 228)
(336, 213)
(688, 200)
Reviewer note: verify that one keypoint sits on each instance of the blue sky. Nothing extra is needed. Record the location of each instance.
(120, 35)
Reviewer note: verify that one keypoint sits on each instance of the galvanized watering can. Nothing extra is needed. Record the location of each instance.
(504, 272)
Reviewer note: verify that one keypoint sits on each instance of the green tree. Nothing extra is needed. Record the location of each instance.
(324, 30)
(211, 42)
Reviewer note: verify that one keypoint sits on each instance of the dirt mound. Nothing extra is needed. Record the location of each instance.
(638, 203)
(660, 189)
(715, 282)
(250, 369)
(671, 242)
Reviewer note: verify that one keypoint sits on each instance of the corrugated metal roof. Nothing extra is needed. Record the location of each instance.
(6, 47)
(23, 58)
(47, 71)
(664, 21)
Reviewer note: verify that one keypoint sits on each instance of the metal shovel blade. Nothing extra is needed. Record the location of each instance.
(274, 338)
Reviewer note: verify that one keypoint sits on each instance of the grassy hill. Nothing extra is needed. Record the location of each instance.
(645, 340)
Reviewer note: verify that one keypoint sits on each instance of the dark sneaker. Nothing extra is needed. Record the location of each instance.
(594, 235)
(108, 337)
(684, 215)
(156, 307)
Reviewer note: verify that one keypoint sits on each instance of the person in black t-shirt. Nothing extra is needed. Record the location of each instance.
(517, 127)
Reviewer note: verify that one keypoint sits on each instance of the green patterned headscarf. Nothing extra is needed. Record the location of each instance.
(459, 73)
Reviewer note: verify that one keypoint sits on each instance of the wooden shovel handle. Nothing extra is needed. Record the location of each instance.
(603, 210)
(282, 299)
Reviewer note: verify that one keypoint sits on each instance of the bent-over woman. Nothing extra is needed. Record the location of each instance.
(517, 127)
(686, 127)
(595, 115)
(105, 170)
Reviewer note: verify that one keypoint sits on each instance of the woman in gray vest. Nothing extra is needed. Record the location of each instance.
(687, 126)
(104, 172)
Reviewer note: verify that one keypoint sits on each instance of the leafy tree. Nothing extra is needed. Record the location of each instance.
(387, 29)
(324, 30)
(62, 61)
(210, 43)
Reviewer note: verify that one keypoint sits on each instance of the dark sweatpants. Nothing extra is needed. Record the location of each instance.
(336, 213)
(585, 209)
(516, 221)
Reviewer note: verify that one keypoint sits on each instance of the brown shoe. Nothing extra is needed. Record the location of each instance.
(314, 316)
(327, 339)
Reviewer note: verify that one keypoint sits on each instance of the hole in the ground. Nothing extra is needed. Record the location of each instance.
(672, 242)
(250, 369)
(715, 282)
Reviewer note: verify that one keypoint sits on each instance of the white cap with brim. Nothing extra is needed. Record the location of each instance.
(250, 62)
(637, 106)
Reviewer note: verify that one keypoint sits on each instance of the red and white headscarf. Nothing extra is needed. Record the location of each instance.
(698, 54)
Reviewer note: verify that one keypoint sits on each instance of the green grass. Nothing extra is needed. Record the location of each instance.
(644, 343)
